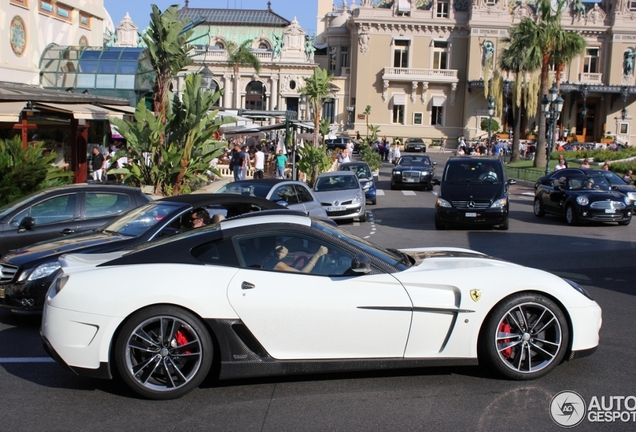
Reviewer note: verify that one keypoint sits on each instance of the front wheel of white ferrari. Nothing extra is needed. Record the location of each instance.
(163, 352)
(525, 337)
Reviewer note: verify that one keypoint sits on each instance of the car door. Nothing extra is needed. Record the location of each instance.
(53, 216)
(318, 316)
(310, 203)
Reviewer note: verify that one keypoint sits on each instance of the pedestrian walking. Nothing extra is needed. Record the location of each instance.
(442, 145)
(281, 163)
(259, 163)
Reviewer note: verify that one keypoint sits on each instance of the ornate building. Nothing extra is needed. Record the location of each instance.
(283, 48)
(421, 65)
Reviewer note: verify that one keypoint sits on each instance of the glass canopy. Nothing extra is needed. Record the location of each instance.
(108, 71)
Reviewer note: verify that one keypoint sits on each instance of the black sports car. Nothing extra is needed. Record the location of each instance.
(615, 180)
(582, 198)
(415, 171)
(26, 274)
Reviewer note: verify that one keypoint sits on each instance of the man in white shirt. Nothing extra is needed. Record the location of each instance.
(343, 157)
(259, 163)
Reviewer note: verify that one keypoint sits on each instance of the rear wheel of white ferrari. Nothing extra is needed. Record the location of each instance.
(525, 337)
(163, 352)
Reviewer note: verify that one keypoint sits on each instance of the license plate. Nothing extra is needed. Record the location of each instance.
(471, 215)
(609, 210)
(1, 292)
(409, 180)
(336, 209)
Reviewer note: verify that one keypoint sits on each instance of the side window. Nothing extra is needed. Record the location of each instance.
(292, 253)
(219, 252)
(285, 193)
(105, 204)
(58, 209)
(303, 194)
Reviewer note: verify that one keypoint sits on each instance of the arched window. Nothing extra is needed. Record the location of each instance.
(255, 96)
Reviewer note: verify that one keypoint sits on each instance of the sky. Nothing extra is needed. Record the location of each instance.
(305, 11)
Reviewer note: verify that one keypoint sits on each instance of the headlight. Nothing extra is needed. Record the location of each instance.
(397, 172)
(357, 199)
(57, 285)
(631, 196)
(579, 288)
(443, 203)
(582, 200)
(366, 185)
(44, 270)
(627, 200)
(500, 203)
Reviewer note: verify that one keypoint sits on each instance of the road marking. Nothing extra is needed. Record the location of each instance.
(26, 360)
(379, 192)
(408, 192)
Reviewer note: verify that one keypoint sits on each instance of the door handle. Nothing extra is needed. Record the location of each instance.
(67, 231)
(247, 285)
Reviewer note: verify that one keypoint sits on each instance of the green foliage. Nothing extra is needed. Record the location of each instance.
(24, 171)
(179, 165)
(317, 88)
(370, 156)
(324, 127)
(313, 161)
(375, 130)
(383, 4)
(168, 50)
(492, 123)
(242, 55)
(623, 167)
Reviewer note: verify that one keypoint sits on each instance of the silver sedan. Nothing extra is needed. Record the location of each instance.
(341, 195)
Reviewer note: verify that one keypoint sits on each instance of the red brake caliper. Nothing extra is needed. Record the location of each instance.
(182, 340)
(505, 328)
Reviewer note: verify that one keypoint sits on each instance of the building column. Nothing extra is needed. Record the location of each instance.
(274, 97)
(227, 94)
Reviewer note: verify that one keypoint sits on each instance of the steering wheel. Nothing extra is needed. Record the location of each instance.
(297, 261)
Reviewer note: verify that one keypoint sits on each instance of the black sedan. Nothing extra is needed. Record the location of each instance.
(63, 210)
(415, 145)
(615, 180)
(26, 274)
(581, 198)
(415, 171)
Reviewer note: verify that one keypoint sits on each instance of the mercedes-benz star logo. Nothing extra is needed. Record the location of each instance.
(567, 409)
(471, 204)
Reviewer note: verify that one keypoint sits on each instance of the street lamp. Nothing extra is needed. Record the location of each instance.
(350, 111)
(624, 96)
(491, 112)
(302, 106)
(551, 105)
(207, 81)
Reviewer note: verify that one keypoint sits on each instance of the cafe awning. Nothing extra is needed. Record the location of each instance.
(82, 111)
(10, 111)
(125, 109)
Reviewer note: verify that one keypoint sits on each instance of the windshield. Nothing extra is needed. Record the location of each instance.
(362, 171)
(588, 183)
(260, 190)
(137, 221)
(480, 171)
(392, 257)
(613, 178)
(336, 182)
(414, 161)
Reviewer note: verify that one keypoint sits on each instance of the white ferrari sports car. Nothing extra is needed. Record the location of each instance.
(277, 293)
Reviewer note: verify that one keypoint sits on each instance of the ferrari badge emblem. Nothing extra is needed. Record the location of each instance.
(475, 295)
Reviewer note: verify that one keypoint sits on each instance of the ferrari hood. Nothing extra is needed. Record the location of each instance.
(447, 257)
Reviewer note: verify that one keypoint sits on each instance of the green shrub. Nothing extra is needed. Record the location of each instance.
(370, 156)
(24, 171)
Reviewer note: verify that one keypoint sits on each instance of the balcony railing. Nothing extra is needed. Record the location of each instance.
(591, 78)
(219, 55)
(416, 74)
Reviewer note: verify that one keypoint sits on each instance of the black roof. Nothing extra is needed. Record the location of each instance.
(265, 18)
(206, 199)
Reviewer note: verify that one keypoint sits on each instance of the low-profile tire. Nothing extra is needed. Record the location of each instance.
(570, 216)
(538, 208)
(363, 217)
(625, 223)
(163, 352)
(524, 337)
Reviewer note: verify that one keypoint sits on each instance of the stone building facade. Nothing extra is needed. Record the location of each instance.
(421, 65)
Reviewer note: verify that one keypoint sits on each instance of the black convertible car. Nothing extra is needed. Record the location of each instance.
(582, 198)
(415, 171)
(26, 274)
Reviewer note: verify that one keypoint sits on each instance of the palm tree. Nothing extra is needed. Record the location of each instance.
(168, 48)
(237, 56)
(317, 88)
(547, 40)
(367, 113)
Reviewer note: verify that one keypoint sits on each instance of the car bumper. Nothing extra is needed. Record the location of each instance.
(349, 212)
(27, 297)
(412, 181)
(586, 325)
(594, 215)
(491, 216)
(371, 194)
(416, 148)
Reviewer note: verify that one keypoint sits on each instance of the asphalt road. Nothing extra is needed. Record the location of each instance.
(38, 395)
